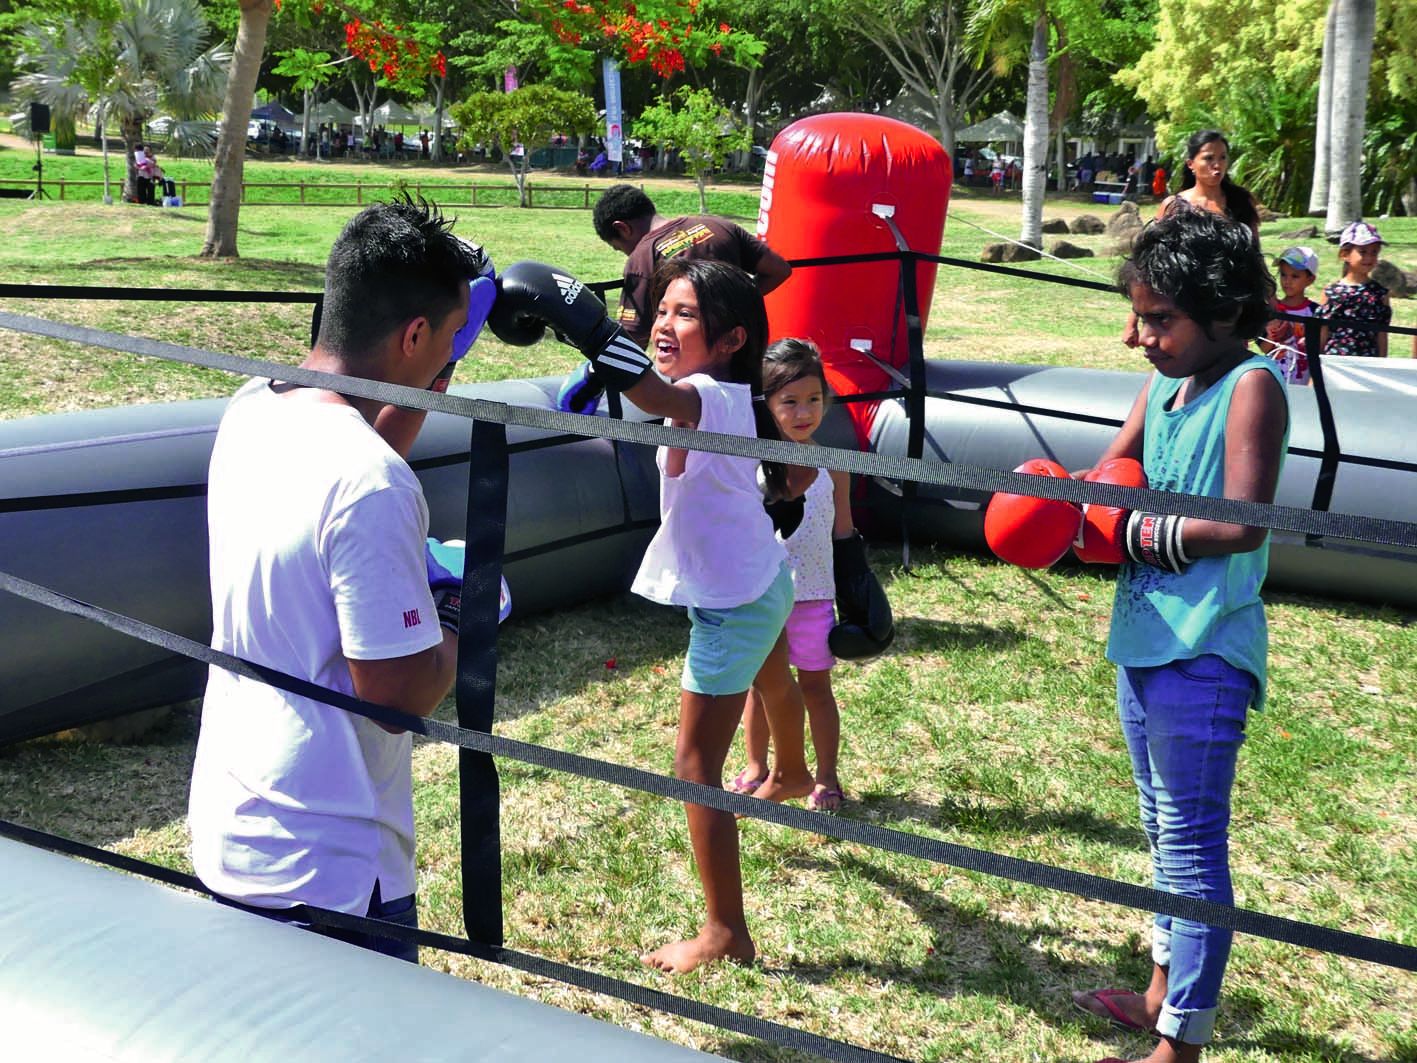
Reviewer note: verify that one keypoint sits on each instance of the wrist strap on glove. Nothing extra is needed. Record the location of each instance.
(1155, 539)
(445, 375)
(619, 362)
(448, 603)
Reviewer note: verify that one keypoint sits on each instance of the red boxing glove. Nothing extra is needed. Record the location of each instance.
(1102, 537)
(1031, 532)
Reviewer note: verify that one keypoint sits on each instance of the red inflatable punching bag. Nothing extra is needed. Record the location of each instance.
(828, 182)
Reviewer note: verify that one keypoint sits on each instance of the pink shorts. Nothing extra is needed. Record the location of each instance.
(808, 625)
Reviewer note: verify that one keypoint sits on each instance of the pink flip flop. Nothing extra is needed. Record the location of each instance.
(741, 784)
(1115, 1015)
(827, 800)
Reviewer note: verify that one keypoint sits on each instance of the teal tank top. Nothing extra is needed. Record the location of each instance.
(1214, 606)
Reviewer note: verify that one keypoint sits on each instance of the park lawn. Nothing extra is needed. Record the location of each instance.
(990, 723)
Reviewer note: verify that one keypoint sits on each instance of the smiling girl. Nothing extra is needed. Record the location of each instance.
(715, 551)
(1188, 629)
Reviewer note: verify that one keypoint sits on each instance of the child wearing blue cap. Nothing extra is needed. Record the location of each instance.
(1284, 340)
(1356, 296)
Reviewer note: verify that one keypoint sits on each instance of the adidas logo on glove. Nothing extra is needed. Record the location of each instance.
(570, 287)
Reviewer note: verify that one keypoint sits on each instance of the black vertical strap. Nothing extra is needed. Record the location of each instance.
(1328, 464)
(915, 393)
(478, 788)
(617, 412)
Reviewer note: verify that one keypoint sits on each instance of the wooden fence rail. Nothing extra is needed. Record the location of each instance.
(439, 192)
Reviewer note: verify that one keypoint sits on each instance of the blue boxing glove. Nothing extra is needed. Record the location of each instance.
(581, 390)
(482, 293)
(445, 566)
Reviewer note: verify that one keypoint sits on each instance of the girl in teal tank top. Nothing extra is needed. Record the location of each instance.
(1188, 627)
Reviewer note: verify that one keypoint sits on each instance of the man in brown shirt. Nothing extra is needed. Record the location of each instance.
(625, 219)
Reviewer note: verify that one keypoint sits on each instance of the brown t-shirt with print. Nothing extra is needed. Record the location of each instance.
(696, 236)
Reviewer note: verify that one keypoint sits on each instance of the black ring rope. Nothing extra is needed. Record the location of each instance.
(226, 295)
(1030, 872)
(955, 475)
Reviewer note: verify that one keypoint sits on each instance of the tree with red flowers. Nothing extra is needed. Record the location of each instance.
(668, 35)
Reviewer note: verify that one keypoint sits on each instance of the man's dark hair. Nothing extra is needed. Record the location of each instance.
(1208, 265)
(392, 263)
(620, 203)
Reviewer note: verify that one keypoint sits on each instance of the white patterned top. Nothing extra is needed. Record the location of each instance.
(809, 548)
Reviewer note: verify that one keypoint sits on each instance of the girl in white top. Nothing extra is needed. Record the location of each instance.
(795, 388)
(715, 552)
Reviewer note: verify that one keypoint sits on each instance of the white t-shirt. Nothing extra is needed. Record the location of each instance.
(809, 547)
(316, 529)
(715, 546)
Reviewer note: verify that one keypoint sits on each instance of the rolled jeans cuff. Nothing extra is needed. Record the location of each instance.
(1161, 946)
(1188, 1027)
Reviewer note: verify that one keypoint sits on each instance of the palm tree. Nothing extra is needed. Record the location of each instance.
(74, 66)
(1318, 193)
(225, 203)
(147, 66)
(999, 29)
(1035, 135)
(1354, 25)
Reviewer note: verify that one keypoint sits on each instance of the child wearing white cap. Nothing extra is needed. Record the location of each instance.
(1284, 340)
(1356, 296)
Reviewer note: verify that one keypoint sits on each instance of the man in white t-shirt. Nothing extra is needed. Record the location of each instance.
(317, 532)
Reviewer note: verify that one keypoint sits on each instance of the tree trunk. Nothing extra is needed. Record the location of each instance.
(436, 150)
(1355, 26)
(305, 122)
(944, 115)
(103, 141)
(224, 210)
(518, 175)
(131, 126)
(701, 179)
(1318, 194)
(750, 117)
(1035, 137)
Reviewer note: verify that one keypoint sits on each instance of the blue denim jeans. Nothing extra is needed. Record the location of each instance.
(1184, 723)
(402, 910)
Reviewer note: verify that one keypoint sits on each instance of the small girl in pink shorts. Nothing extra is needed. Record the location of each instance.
(795, 389)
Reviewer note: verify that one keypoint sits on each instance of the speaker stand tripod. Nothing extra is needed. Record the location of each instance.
(39, 192)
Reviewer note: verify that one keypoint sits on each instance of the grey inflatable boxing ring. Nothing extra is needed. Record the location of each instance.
(122, 521)
(97, 965)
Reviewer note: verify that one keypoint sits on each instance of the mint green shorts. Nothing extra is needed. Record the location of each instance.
(728, 646)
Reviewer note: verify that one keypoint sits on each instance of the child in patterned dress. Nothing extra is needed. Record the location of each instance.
(1357, 296)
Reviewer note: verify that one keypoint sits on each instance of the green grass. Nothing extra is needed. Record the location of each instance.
(990, 723)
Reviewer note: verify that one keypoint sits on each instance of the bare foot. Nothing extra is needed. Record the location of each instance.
(781, 787)
(681, 957)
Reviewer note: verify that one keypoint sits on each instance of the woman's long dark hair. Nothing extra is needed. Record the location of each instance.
(1239, 204)
(729, 299)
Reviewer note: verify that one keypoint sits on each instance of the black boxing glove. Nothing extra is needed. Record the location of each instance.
(786, 514)
(533, 295)
(865, 626)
